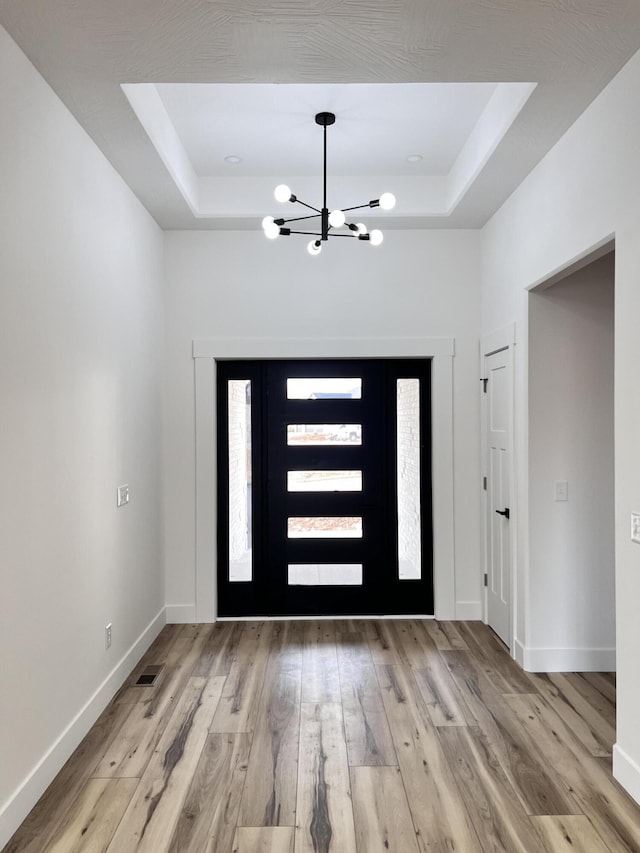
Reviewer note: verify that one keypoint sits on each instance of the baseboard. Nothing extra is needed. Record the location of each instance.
(468, 610)
(180, 614)
(565, 659)
(519, 653)
(20, 803)
(627, 772)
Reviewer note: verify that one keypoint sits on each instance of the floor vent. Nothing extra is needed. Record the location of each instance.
(149, 677)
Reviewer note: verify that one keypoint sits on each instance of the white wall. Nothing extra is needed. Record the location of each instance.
(571, 427)
(236, 284)
(81, 324)
(585, 190)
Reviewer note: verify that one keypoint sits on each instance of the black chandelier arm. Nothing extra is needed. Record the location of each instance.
(360, 206)
(285, 232)
(297, 218)
(296, 200)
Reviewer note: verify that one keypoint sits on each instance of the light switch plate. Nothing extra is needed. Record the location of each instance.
(123, 495)
(562, 490)
(635, 527)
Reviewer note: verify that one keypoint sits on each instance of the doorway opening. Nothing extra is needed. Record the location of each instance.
(571, 587)
(324, 487)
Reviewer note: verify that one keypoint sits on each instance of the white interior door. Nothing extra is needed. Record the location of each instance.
(499, 389)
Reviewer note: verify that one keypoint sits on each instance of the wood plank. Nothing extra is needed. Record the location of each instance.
(445, 635)
(603, 682)
(191, 630)
(438, 812)
(320, 679)
(381, 642)
(369, 741)
(149, 821)
(531, 777)
(219, 651)
(239, 704)
(382, 817)
(324, 815)
(491, 653)
(496, 812)
(209, 815)
(90, 823)
(595, 733)
(269, 797)
(611, 811)
(594, 698)
(273, 839)
(444, 703)
(569, 834)
(414, 646)
(350, 626)
(45, 817)
(130, 752)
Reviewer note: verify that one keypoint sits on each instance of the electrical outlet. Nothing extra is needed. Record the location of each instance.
(107, 636)
(635, 527)
(123, 495)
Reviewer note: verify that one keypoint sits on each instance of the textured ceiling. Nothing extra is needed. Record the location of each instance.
(86, 48)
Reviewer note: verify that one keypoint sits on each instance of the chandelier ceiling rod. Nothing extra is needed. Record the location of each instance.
(329, 221)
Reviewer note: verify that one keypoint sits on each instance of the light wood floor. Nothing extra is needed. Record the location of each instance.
(341, 737)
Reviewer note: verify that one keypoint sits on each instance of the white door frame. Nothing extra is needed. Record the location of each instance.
(441, 352)
(504, 338)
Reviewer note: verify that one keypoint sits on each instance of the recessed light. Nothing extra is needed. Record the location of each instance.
(414, 158)
(233, 159)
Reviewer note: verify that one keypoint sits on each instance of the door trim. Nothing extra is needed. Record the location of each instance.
(500, 339)
(207, 351)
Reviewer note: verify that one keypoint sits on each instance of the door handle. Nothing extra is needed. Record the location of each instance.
(504, 512)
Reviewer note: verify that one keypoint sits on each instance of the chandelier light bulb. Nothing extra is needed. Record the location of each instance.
(314, 247)
(387, 201)
(362, 228)
(272, 231)
(337, 219)
(268, 220)
(282, 193)
(376, 237)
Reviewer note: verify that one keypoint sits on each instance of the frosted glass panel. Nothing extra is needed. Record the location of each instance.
(408, 457)
(312, 435)
(325, 574)
(239, 449)
(318, 527)
(324, 389)
(324, 481)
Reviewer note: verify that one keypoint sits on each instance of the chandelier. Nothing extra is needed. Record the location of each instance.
(328, 222)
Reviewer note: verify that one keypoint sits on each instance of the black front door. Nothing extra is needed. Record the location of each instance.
(324, 488)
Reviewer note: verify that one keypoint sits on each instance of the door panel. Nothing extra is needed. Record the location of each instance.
(499, 403)
(324, 497)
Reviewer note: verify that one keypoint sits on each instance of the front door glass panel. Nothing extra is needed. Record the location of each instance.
(325, 527)
(324, 574)
(324, 481)
(324, 388)
(408, 478)
(321, 435)
(239, 462)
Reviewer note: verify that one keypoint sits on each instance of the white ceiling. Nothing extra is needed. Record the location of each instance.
(211, 78)
(271, 126)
